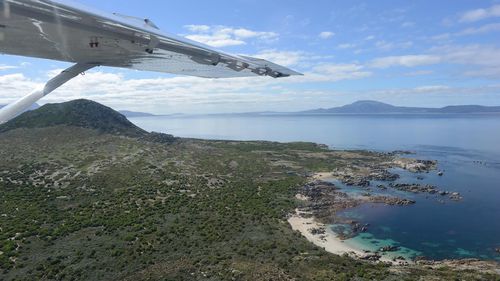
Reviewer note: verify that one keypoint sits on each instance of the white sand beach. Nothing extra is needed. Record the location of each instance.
(323, 176)
(329, 240)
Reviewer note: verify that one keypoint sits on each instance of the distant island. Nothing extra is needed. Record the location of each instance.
(138, 114)
(375, 107)
(359, 107)
(128, 113)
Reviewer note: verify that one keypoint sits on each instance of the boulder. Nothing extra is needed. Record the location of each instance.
(317, 231)
(389, 248)
(371, 257)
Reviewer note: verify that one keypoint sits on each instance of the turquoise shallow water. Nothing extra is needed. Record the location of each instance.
(467, 148)
(470, 228)
(367, 241)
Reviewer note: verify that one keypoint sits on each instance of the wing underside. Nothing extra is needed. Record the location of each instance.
(64, 31)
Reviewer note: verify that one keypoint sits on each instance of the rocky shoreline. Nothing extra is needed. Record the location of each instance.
(325, 199)
(362, 175)
(322, 201)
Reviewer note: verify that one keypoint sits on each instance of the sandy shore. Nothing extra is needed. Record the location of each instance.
(332, 244)
(329, 240)
(323, 176)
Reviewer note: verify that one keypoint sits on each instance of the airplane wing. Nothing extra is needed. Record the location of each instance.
(66, 31)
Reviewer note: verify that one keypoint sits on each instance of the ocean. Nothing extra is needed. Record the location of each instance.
(466, 146)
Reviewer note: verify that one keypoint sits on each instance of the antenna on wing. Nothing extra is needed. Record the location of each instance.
(148, 22)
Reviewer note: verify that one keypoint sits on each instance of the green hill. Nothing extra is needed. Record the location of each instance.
(78, 113)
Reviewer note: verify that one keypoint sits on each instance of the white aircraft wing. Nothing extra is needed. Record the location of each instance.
(66, 31)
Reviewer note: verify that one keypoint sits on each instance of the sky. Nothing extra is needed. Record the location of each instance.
(408, 53)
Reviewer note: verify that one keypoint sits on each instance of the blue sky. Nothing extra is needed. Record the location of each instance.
(413, 53)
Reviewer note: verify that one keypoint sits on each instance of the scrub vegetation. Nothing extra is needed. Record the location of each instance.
(86, 201)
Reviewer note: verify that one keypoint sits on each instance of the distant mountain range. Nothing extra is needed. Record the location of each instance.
(375, 107)
(359, 107)
(128, 113)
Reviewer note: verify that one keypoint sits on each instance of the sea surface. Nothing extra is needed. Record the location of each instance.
(466, 146)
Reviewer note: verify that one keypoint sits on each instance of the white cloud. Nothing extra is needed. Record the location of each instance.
(419, 73)
(246, 33)
(285, 58)
(197, 95)
(431, 88)
(488, 72)
(481, 14)
(406, 61)
(346, 46)
(480, 55)
(485, 29)
(7, 67)
(493, 27)
(223, 36)
(183, 94)
(217, 40)
(407, 24)
(172, 93)
(481, 60)
(294, 59)
(336, 72)
(383, 45)
(198, 28)
(326, 35)
(14, 86)
(388, 46)
(441, 37)
(442, 91)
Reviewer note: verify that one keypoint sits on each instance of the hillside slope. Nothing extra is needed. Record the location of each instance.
(78, 113)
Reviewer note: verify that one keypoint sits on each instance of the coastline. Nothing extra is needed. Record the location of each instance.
(314, 220)
(331, 242)
(322, 200)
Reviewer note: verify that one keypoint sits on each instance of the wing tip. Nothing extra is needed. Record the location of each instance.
(286, 75)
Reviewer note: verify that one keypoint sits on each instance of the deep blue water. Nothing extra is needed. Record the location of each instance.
(466, 146)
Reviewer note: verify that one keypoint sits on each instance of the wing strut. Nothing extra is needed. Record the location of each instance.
(12, 110)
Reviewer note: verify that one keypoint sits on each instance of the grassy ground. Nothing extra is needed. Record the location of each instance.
(79, 205)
